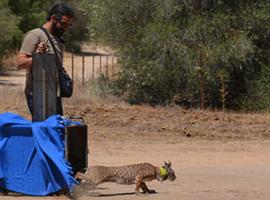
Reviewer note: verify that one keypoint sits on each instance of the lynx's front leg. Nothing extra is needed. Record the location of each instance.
(141, 184)
(146, 189)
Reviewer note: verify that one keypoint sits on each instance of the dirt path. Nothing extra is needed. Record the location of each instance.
(205, 170)
(225, 157)
(16, 78)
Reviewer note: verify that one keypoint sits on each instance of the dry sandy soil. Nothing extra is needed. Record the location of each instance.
(216, 155)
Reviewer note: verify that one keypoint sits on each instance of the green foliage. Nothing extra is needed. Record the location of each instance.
(79, 31)
(19, 16)
(192, 52)
(9, 32)
(32, 13)
(258, 94)
(176, 50)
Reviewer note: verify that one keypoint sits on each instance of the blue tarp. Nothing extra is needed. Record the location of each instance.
(32, 155)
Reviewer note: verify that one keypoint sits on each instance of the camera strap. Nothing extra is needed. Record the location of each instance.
(53, 46)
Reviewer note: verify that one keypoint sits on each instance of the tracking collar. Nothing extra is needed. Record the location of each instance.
(163, 173)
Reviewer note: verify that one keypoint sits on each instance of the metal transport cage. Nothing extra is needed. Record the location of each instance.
(76, 146)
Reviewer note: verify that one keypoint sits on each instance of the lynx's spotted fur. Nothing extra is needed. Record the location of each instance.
(129, 174)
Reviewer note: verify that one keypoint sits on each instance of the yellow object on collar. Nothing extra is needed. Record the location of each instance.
(163, 171)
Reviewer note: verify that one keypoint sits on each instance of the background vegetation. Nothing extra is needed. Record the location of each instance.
(19, 16)
(207, 53)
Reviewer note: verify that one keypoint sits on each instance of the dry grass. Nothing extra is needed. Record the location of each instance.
(162, 123)
(9, 62)
(12, 99)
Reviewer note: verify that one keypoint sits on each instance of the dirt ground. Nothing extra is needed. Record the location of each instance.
(216, 155)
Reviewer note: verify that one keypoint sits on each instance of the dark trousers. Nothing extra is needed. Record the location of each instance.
(29, 99)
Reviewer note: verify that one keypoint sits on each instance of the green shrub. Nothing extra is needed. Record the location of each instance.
(9, 32)
(175, 51)
(101, 87)
(258, 95)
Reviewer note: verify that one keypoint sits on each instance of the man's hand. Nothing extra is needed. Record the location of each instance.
(42, 47)
(24, 61)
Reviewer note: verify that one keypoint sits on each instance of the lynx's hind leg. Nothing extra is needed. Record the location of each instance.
(138, 182)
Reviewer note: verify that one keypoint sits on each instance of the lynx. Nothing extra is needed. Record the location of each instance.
(129, 174)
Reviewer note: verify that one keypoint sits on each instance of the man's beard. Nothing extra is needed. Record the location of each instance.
(58, 32)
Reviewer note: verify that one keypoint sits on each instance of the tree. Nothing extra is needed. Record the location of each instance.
(33, 14)
(9, 32)
(186, 51)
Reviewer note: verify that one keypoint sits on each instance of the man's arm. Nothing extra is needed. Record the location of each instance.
(24, 57)
(31, 43)
(24, 61)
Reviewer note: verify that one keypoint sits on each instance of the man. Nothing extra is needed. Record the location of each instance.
(58, 21)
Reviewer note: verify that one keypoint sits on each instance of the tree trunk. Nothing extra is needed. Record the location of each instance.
(202, 82)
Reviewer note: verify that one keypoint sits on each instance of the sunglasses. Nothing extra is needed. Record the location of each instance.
(64, 24)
